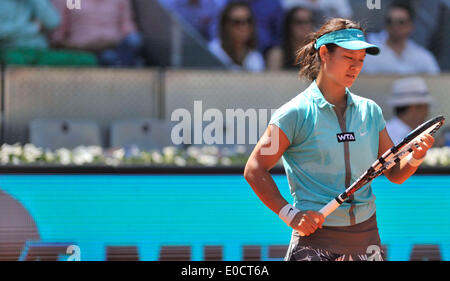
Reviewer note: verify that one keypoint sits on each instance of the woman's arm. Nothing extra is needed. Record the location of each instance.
(264, 157)
(259, 164)
(402, 171)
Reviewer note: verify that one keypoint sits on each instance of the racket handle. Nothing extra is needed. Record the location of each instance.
(326, 210)
(330, 207)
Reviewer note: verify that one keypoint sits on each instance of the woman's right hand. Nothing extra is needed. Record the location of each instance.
(307, 222)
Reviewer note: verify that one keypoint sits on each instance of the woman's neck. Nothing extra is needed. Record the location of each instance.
(331, 91)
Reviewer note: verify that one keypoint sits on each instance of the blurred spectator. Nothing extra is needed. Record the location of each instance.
(410, 100)
(399, 54)
(237, 45)
(298, 23)
(324, 8)
(24, 23)
(268, 15)
(23, 29)
(104, 27)
(198, 13)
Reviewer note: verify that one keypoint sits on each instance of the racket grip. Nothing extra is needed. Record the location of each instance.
(326, 210)
(330, 207)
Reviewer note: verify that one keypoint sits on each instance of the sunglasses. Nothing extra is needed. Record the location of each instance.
(240, 22)
(402, 22)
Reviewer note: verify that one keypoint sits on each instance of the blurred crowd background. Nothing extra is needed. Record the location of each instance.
(253, 35)
(112, 68)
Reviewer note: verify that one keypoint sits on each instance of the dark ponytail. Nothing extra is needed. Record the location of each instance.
(308, 57)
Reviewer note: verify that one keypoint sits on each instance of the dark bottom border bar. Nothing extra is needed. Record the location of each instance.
(217, 270)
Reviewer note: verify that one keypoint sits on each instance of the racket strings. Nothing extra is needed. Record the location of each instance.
(397, 153)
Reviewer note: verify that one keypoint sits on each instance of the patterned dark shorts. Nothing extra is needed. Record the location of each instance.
(306, 253)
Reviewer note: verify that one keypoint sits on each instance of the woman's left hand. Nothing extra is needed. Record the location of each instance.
(424, 144)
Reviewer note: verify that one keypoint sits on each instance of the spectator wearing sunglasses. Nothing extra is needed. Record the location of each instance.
(268, 17)
(400, 54)
(236, 46)
(298, 23)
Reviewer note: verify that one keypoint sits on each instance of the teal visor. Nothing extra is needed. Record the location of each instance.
(352, 39)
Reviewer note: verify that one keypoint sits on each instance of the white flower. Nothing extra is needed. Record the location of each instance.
(48, 155)
(193, 151)
(94, 150)
(118, 154)
(64, 156)
(226, 161)
(438, 156)
(210, 149)
(179, 161)
(169, 151)
(208, 160)
(4, 158)
(82, 155)
(157, 157)
(4, 154)
(31, 152)
(112, 162)
(15, 149)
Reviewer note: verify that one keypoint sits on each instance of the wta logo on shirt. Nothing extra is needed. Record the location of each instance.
(345, 137)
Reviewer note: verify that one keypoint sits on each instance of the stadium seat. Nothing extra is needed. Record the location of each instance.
(213, 253)
(422, 252)
(122, 253)
(251, 253)
(277, 251)
(175, 253)
(55, 134)
(146, 134)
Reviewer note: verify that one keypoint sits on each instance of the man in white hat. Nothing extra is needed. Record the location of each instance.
(411, 101)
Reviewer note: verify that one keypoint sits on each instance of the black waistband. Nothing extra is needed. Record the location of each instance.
(354, 239)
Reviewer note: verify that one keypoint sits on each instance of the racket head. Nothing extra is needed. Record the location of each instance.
(395, 154)
(402, 149)
(429, 127)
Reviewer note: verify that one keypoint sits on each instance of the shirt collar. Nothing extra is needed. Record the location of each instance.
(321, 101)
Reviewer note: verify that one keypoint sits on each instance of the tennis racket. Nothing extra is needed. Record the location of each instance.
(391, 157)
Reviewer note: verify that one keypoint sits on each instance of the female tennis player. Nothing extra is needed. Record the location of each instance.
(327, 137)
